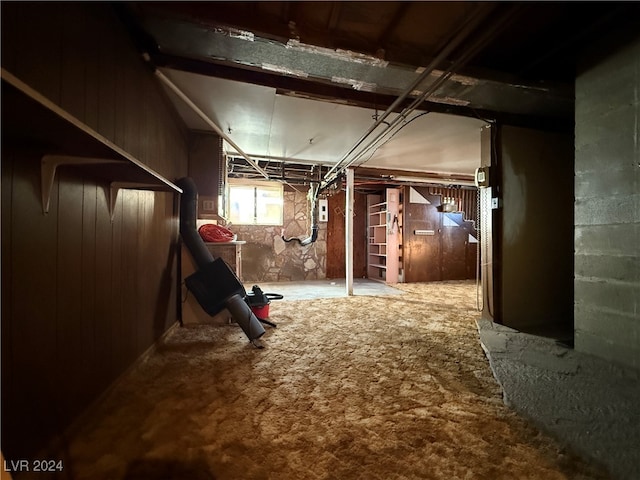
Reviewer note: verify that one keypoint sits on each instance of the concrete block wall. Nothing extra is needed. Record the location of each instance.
(607, 203)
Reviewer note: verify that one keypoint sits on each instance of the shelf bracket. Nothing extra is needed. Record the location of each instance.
(115, 187)
(50, 163)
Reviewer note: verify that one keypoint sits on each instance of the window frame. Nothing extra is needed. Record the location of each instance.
(256, 185)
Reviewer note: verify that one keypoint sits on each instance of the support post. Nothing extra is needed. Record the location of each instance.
(348, 230)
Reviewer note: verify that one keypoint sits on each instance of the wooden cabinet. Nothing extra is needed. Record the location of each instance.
(230, 252)
(384, 236)
(191, 311)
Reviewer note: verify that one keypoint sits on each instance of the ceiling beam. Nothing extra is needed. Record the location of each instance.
(386, 174)
(239, 15)
(331, 92)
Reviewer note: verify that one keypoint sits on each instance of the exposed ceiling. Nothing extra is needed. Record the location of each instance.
(267, 125)
(305, 81)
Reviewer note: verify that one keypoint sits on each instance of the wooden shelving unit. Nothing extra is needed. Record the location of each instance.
(384, 236)
(30, 120)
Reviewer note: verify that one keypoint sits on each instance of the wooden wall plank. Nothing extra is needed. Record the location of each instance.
(335, 267)
(107, 78)
(8, 373)
(158, 244)
(164, 239)
(118, 350)
(88, 296)
(10, 22)
(103, 290)
(37, 55)
(146, 129)
(146, 263)
(69, 292)
(131, 112)
(205, 155)
(535, 265)
(91, 54)
(73, 81)
(120, 103)
(129, 285)
(96, 312)
(32, 288)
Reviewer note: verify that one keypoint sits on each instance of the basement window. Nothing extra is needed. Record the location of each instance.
(255, 203)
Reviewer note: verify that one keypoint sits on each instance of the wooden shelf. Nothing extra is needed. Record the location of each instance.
(383, 247)
(32, 121)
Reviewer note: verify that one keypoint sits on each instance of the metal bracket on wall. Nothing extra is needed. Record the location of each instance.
(50, 163)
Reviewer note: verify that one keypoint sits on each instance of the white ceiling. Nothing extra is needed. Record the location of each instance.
(264, 123)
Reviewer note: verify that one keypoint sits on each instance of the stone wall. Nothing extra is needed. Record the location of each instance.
(267, 258)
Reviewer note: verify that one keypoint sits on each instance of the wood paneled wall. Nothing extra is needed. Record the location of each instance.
(336, 265)
(445, 254)
(82, 296)
(79, 56)
(535, 266)
(466, 199)
(206, 167)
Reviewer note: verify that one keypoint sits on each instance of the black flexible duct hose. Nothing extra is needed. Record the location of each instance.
(188, 229)
(314, 190)
(307, 241)
(240, 311)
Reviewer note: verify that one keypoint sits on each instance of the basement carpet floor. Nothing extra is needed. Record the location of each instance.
(362, 387)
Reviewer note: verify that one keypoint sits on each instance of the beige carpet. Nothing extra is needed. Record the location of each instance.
(384, 388)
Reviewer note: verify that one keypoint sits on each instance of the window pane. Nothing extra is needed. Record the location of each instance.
(255, 203)
(241, 204)
(269, 205)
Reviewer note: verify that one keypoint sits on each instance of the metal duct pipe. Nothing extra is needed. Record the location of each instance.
(448, 73)
(465, 31)
(172, 86)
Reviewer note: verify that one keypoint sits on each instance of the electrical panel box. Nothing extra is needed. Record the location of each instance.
(482, 177)
(323, 210)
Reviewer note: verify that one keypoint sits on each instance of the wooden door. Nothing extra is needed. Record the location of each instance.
(455, 239)
(421, 236)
